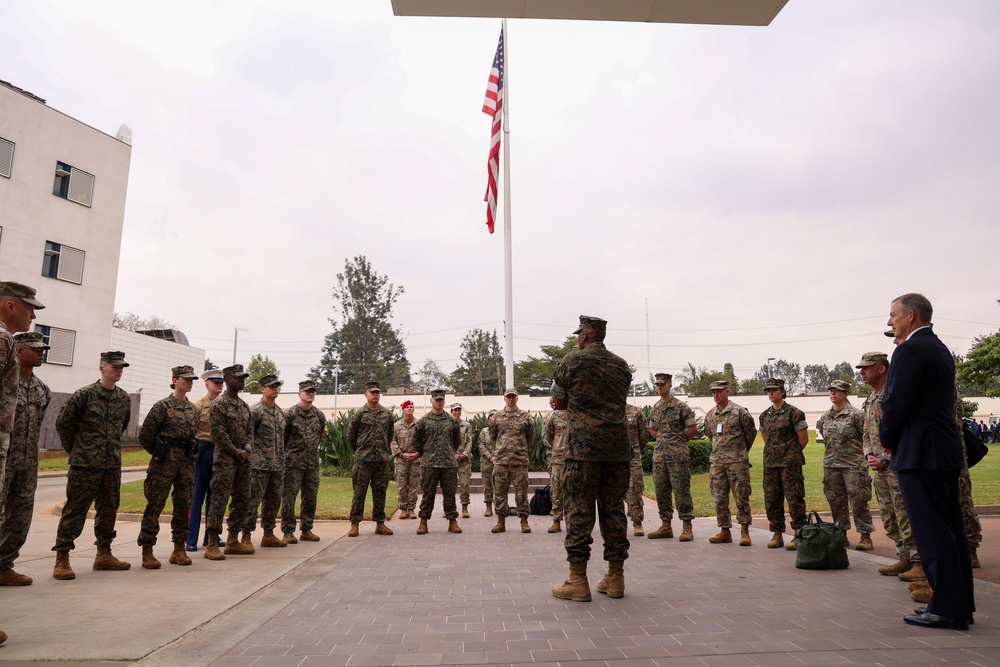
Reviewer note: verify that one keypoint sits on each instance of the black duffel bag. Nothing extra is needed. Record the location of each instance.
(541, 502)
(819, 545)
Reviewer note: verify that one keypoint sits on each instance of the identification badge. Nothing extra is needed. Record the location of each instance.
(718, 428)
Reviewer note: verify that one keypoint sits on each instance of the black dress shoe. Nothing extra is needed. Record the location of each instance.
(190, 547)
(923, 610)
(934, 621)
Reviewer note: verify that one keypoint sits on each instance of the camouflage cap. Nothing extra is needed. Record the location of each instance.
(663, 378)
(873, 359)
(373, 386)
(437, 394)
(213, 374)
(719, 384)
(594, 323)
(114, 359)
(557, 392)
(32, 339)
(306, 385)
(774, 383)
(269, 380)
(234, 371)
(22, 292)
(510, 391)
(456, 406)
(840, 385)
(183, 372)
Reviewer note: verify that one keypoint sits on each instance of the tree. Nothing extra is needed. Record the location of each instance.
(969, 409)
(791, 373)
(979, 373)
(481, 368)
(534, 374)
(363, 340)
(817, 377)
(259, 366)
(208, 364)
(431, 377)
(132, 322)
(696, 381)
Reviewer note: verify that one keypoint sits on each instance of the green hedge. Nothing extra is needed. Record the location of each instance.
(699, 450)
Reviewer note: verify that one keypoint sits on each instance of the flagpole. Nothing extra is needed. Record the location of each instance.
(508, 276)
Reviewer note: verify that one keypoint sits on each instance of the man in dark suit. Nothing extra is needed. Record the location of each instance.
(918, 425)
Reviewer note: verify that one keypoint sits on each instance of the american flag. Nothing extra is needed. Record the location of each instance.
(493, 105)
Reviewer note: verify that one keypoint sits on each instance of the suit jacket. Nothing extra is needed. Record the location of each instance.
(918, 411)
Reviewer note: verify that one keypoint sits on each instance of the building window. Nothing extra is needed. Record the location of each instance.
(6, 157)
(60, 342)
(73, 184)
(63, 263)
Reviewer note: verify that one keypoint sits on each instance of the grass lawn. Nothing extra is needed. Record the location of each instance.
(985, 481)
(137, 458)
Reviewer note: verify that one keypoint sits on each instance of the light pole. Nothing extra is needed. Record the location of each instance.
(769, 360)
(336, 383)
(236, 334)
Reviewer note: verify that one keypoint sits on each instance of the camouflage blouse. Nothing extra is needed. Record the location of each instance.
(556, 432)
(438, 438)
(638, 433)
(781, 440)
(369, 432)
(511, 436)
(304, 430)
(169, 418)
(671, 420)
(33, 398)
(91, 425)
(731, 431)
(842, 432)
(268, 437)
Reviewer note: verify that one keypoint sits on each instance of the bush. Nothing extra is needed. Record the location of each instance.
(699, 450)
(647, 457)
(336, 459)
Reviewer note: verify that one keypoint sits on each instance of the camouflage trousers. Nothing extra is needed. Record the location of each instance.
(85, 486)
(895, 521)
(175, 470)
(407, 483)
(672, 479)
(782, 484)
(503, 476)
(486, 468)
(230, 479)
(265, 495)
(724, 478)
(633, 498)
(19, 504)
(430, 478)
(555, 486)
(595, 490)
(843, 486)
(305, 480)
(376, 475)
(970, 517)
(464, 479)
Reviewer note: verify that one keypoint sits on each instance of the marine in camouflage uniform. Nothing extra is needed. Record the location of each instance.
(592, 384)
(672, 423)
(782, 428)
(486, 457)
(638, 436)
(556, 431)
(438, 438)
(512, 433)
(267, 463)
(21, 477)
(970, 517)
(845, 474)
(407, 471)
(304, 429)
(464, 456)
(90, 426)
(172, 421)
(731, 430)
(368, 433)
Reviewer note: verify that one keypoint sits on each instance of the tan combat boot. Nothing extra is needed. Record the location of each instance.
(246, 543)
(576, 587)
(917, 585)
(149, 561)
(637, 529)
(382, 529)
(974, 557)
(686, 534)
(234, 546)
(489, 509)
(791, 546)
(865, 543)
(308, 536)
(465, 510)
(353, 532)
(177, 556)
(3, 636)
(664, 531)
(922, 595)
(453, 527)
(613, 583)
(62, 570)
(777, 540)
(897, 568)
(105, 560)
(269, 539)
(8, 577)
(422, 528)
(289, 538)
(847, 540)
(501, 524)
(915, 573)
(745, 535)
(525, 528)
(555, 527)
(724, 537)
(212, 551)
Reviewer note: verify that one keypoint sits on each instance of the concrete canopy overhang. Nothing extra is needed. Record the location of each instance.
(715, 12)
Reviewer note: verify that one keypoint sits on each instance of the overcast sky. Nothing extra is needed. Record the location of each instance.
(768, 190)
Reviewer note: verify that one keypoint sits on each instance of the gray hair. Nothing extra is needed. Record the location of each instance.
(918, 303)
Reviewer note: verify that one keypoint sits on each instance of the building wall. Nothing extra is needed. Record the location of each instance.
(151, 360)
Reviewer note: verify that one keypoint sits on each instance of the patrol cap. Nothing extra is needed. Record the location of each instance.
(306, 385)
(114, 359)
(214, 374)
(269, 380)
(774, 383)
(840, 385)
(557, 391)
(183, 372)
(663, 378)
(234, 371)
(456, 406)
(22, 292)
(873, 359)
(719, 384)
(406, 404)
(32, 339)
(437, 394)
(590, 322)
(510, 391)
(373, 386)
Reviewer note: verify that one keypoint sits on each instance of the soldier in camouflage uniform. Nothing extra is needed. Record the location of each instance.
(673, 424)
(638, 436)
(845, 474)
(304, 429)
(512, 433)
(592, 385)
(464, 456)
(267, 464)
(21, 477)
(204, 458)
(167, 433)
(437, 437)
(369, 433)
(486, 457)
(232, 433)
(90, 426)
(407, 462)
(970, 517)
(731, 430)
(785, 432)
(556, 432)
